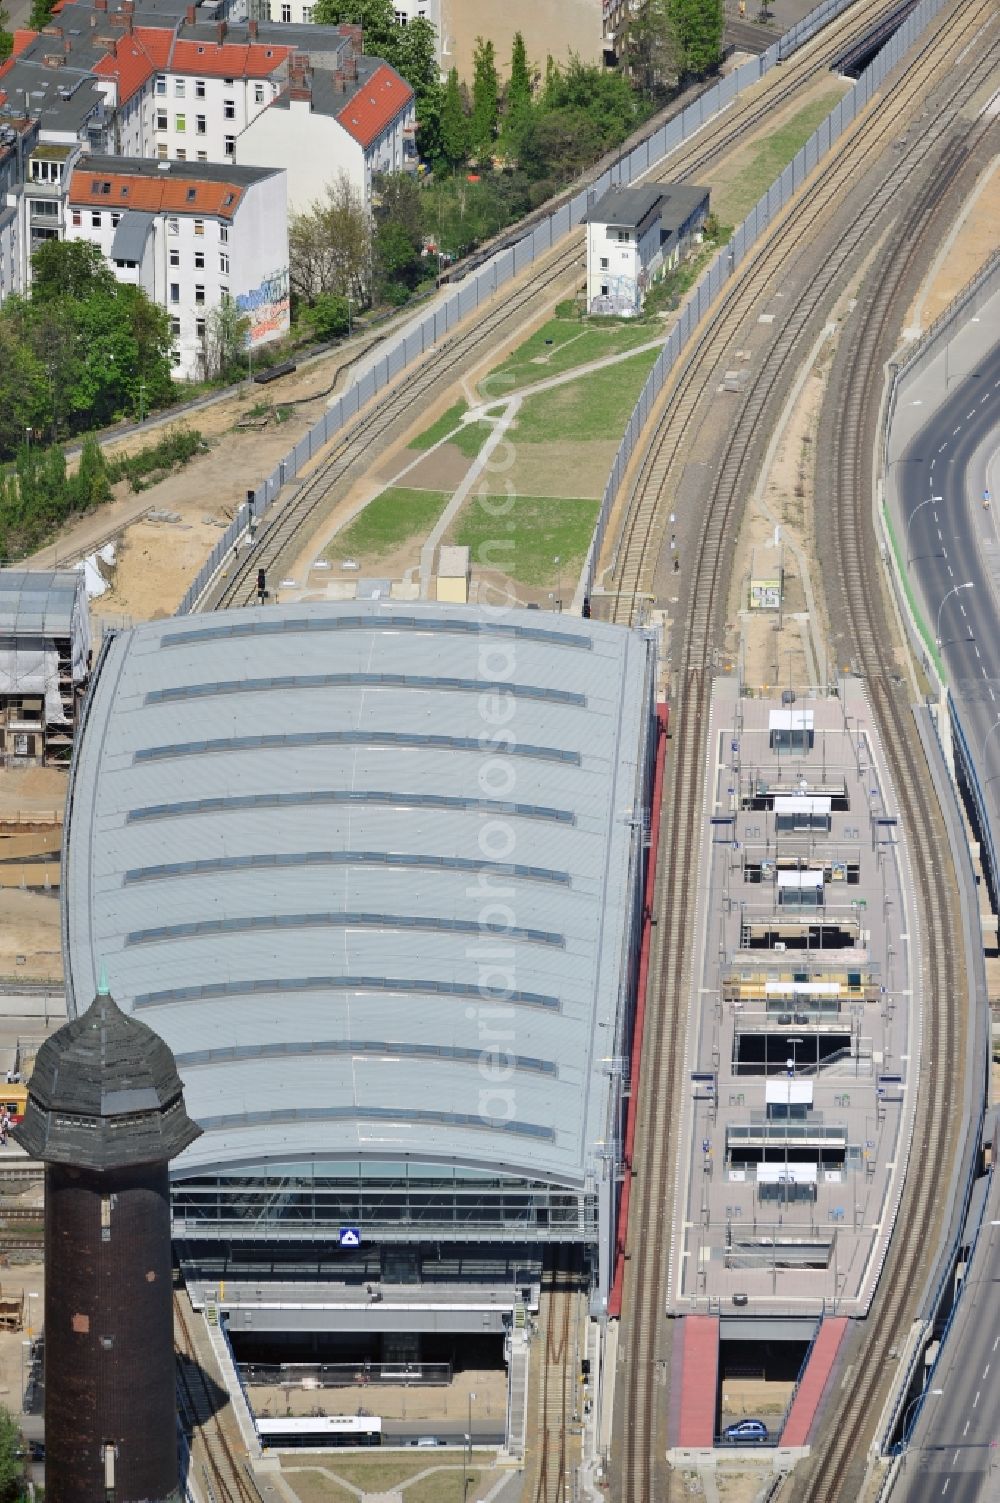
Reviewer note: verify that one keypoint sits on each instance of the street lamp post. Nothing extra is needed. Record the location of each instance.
(467, 1453)
(909, 521)
(968, 585)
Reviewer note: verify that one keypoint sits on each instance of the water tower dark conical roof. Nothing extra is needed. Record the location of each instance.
(105, 1094)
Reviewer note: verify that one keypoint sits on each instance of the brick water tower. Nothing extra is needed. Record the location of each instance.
(105, 1114)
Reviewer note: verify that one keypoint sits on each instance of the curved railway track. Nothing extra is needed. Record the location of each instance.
(644, 1477)
(293, 520)
(838, 1474)
(649, 500)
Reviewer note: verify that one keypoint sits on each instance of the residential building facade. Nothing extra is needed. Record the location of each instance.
(634, 235)
(190, 235)
(358, 119)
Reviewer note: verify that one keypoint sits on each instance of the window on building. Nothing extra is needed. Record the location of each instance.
(604, 289)
(223, 293)
(95, 219)
(199, 260)
(258, 93)
(161, 120)
(307, 14)
(199, 327)
(203, 156)
(604, 263)
(229, 146)
(228, 82)
(224, 263)
(161, 84)
(229, 109)
(286, 13)
(175, 358)
(173, 226)
(161, 150)
(180, 124)
(175, 292)
(624, 236)
(175, 327)
(191, 195)
(77, 217)
(199, 295)
(224, 233)
(180, 85)
(200, 125)
(175, 256)
(199, 88)
(199, 227)
(115, 221)
(181, 154)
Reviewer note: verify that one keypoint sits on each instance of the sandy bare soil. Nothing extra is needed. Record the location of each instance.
(976, 240)
(556, 27)
(32, 790)
(29, 935)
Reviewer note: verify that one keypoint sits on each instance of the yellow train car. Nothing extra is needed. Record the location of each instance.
(14, 1098)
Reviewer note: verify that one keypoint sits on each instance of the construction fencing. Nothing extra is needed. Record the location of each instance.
(480, 287)
(732, 256)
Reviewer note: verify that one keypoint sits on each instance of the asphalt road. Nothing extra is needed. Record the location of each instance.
(954, 548)
(944, 473)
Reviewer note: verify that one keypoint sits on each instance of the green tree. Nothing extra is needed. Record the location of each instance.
(330, 245)
(648, 47)
(697, 29)
(90, 485)
(517, 100)
(608, 99)
(329, 316)
(558, 144)
(454, 123)
(6, 37)
(69, 268)
(485, 99)
(24, 393)
(41, 14)
(11, 1466)
(226, 331)
(399, 235)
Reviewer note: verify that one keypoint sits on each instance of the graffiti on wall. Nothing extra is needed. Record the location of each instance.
(266, 306)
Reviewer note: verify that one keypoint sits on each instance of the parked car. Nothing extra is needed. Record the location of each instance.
(748, 1429)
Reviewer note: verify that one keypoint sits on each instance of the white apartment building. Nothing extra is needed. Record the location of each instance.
(358, 119)
(189, 234)
(633, 236)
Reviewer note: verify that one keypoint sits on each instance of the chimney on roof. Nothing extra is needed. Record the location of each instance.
(351, 68)
(220, 32)
(355, 35)
(189, 15)
(100, 4)
(252, 29)
(128, 6)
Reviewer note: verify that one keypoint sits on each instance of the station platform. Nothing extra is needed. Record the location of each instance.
(288, 1307)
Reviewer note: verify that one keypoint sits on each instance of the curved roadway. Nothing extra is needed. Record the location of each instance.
(953, 543)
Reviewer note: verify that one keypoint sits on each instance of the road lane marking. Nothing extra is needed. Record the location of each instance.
(951, 572)
(986, 1370)
(997, 1341)
(976, 1399)
(954, 1459)
(945, 1488)
(966, 1430)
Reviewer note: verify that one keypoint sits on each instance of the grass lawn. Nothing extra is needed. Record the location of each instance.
(597, 406)
(313, 1487)
(379, 1474)
(469, 437)
(524, 544)
(387, 522)
(561, 345)
(767, 159)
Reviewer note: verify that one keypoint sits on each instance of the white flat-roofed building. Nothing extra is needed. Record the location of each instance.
(189, 234)
(393, 947)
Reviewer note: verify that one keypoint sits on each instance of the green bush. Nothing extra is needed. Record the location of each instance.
(176, 448)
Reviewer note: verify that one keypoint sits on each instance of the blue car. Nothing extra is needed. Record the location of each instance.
(748, 1429)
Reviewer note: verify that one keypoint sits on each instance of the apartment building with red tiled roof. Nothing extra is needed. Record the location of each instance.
(358, 119)
(190, 234)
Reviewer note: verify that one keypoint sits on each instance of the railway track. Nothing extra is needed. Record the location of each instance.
(657, 478)
(644, 1477)
(838, 1474)
(220, 1475)
(294, 520)
(560, 1289)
